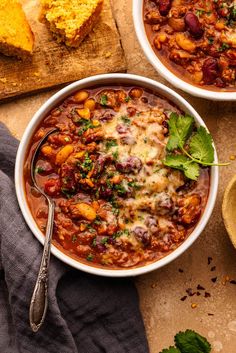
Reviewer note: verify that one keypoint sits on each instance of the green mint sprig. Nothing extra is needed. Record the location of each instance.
(200, 146)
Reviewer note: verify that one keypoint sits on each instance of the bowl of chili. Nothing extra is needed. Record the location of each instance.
(123, 207)
(192, 44)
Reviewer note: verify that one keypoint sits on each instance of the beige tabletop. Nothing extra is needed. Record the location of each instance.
(161, 291)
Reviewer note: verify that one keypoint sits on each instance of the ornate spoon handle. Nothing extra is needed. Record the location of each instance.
(39, 300)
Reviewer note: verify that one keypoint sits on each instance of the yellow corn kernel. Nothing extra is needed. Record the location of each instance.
(96, 122)
(90, 104)
(79, 154)
(47, 151)
(63, 154)
(84, 113)
(86, 211)
(185, 43)
(81, 96)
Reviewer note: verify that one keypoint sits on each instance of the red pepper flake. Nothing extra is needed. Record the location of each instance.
(180, 270)
(198, 293)
(199, 287)
(183, 298)
(213, 268)
(232, 281)
(209, 260)
(214, 279)
(210, 314)
(207, 295)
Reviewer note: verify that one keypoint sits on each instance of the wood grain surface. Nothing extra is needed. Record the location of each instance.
(54, 64)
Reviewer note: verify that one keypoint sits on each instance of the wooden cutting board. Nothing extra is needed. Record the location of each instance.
(54, 64)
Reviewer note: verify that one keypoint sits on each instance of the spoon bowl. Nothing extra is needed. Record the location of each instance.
(229, 210)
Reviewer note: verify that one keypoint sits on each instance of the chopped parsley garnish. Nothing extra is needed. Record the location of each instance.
(127, 99)
(115, 211)
(103, 99)
(85, 125)
(224, 46)
(110, 143)
(211, 40)
(94, 242)
(74, 238)
(104, 240)
(125, 119)
(120, 189)
(87, 164)
(97, 221)
(200, 12)
(113, 202)
(134, 185)
(67, 192)
(115, 154)
(39, 170)
(90, 228)
(201, 151)
(145, 140)
(89, 257)
(120, 233)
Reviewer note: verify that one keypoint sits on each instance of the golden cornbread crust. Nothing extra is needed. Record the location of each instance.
(16, 36)
(71, 20)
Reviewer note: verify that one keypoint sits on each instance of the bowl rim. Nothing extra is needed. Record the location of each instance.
(106, 79)
(163, 70)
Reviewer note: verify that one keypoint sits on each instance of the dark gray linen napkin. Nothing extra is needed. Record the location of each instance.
(86, 314)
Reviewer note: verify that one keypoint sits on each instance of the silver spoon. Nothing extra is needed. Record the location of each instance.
(39, 300)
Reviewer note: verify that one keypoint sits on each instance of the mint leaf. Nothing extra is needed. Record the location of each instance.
(201, 146)
(191, 342)
(181, 162)
(171, 350)
(180, 128)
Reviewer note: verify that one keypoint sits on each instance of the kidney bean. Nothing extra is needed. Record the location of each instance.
(131, 111)
(142, 235)
(106, 116)
(193, 25)
(164, 7)
(128, 140)
(43, 167)
(68, 177)
(210, 70)
(122, 128)
(130, 165)
(152, 225)
(105, 192)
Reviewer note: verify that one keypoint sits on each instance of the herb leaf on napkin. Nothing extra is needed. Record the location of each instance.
(191, 342)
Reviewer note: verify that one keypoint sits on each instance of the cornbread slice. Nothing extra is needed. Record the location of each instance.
(16, 37)
(71, 20)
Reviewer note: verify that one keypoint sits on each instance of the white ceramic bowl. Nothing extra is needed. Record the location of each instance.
(163, 70)
(42, 113)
